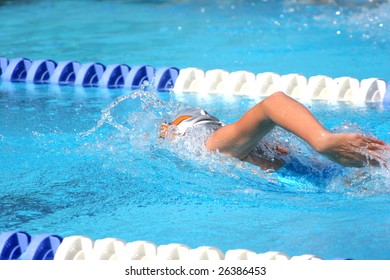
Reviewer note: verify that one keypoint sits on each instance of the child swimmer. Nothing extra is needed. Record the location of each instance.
(240, 138)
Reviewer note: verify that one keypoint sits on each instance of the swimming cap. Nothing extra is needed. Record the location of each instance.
(192, 117)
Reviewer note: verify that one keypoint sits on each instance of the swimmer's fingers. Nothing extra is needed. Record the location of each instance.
(373, 158)
(376, 160)
(375, 144)
(372, 147)
(378, 147)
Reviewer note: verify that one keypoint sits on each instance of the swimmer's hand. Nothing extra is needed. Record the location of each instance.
(353, 150)
(264, 163)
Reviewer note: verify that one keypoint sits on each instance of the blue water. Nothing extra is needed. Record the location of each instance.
(124, 182)
(347, 39)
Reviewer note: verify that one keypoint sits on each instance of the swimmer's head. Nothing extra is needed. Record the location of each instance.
(186, 119)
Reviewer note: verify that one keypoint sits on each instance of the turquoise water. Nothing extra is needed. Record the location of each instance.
(122, 181)
(347, 39)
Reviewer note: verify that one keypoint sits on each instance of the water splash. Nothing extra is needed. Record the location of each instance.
(371, 21)
(107, 117)
(150, 103)
(362, 20)
(362, 182)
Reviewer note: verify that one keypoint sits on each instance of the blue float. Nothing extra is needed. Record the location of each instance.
(17, 70)
(65, 73)
(165, 78)
(89, 74)
(3, 64)
(41, 71)
(42, 247)
(114, 76)
(138, 75)
(13, 244)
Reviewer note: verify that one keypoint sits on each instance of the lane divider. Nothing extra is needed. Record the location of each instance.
(91, 74)
(195, 80)
(19, 245)
(218, 81)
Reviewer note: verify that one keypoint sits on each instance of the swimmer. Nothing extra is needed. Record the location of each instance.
(240, 138)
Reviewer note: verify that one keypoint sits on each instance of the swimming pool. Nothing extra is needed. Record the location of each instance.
(107, 184)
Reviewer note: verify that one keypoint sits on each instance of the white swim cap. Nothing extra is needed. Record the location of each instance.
(192, 117)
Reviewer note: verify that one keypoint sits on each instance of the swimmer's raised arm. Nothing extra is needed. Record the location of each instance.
(239, 139)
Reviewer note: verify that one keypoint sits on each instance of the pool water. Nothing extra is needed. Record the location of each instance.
(126, 183)
(120, 180)
(345, 39)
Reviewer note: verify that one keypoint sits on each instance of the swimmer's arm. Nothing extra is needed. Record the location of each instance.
(346, 149)
(239, 138)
